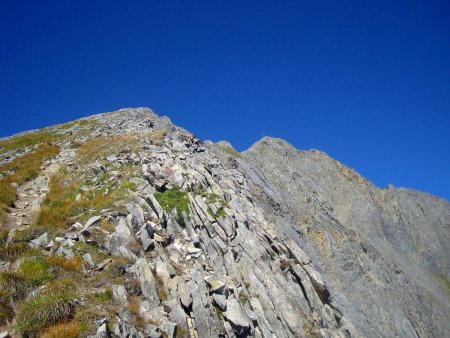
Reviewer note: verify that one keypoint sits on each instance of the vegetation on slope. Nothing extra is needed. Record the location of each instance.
(26, 141)
(174, 199)
(20, 170)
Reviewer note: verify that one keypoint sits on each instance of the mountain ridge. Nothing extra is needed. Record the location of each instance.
(273, 241)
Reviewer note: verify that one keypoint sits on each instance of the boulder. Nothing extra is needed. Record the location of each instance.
(145, 236)
(120, 294)
(39, 242)
(237, 317)
(137, 215)
(220, 301)
(103, 332)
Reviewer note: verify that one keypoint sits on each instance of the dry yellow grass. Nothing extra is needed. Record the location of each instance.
(20, 170)
(62, 330)
(73, 264)
(60, 207)
(107, 145)
(157, 136)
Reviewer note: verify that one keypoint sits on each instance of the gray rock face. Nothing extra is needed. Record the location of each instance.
(380, 251)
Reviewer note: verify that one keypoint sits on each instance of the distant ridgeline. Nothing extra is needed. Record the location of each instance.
(124, 225)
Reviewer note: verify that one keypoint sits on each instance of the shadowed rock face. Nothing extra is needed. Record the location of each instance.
(269, 242)
(383, 252)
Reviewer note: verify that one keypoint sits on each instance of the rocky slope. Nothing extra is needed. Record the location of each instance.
(144, 230)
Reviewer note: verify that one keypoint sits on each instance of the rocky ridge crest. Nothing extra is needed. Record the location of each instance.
(210, 242)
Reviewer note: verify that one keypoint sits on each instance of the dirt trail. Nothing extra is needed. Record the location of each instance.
(31, 194)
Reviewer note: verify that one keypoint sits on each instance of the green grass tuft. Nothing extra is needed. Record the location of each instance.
(26, 140)
(6, 310)
(15, 284)
(174, 198)
(12, 251)
(104, 296)
(36, 270)
(42, 311)
(3, 236)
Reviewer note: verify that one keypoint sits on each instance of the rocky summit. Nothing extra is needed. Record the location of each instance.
(124, 225)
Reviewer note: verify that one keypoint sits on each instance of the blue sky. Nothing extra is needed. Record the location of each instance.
(368, 82)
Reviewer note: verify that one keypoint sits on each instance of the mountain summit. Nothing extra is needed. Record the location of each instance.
(124, 225)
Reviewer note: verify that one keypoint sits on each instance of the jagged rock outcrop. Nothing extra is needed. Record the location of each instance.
(271, 242)
(383, 252)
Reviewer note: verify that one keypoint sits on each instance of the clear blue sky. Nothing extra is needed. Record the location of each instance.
(368, 82)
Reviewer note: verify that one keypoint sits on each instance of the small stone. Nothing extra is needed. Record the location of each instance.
(76, 226)
(41, 241)
(50, 246)
(145, 237)
(112, 158)
(72, 236)
(87, 258)
(217, 286)
(89, 223)
(5, 334)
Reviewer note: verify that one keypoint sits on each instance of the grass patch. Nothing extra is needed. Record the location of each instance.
(160, 289)
(36, 270)
(79, 123)
(62, 330)
(213, 198)
(20, 170)
(232, 152)
(12, 251)
(15, 285)
(6, 310)
(174, 198)
(43, 311)
(60, 207)
(243, 297)
(94, 251)
(104, 296)
(104, 146)
(285, 264)
(219, 311)
(157, 137)
(73, 264)
(27, 234)
(181, 332)
(3, 236)
(221, 212)
(26, 140)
